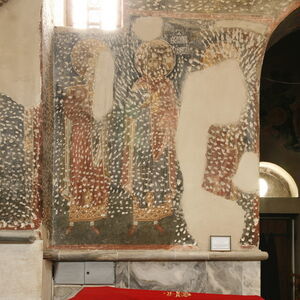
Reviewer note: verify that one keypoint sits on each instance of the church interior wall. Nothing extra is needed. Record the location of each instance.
(20, 97)
(145, 140)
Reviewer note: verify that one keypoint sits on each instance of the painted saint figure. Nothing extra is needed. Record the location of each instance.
(86, 178)
(150, 167)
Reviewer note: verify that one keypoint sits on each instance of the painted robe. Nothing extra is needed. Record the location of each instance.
(88, 184)
(150, 165)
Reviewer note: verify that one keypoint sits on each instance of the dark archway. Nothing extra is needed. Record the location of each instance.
(280, 144)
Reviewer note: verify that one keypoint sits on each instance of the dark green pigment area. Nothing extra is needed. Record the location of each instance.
(114, 231)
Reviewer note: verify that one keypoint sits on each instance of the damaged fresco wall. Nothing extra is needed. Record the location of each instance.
(156, 127)
(147, 151)
(155, 132)
(20, 147)
(20, 134)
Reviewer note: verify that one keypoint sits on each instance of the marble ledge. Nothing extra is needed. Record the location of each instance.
(18, 236)
(152, 255)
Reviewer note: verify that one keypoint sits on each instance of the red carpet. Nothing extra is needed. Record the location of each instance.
(110, 293)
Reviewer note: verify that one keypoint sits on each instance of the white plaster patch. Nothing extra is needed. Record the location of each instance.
(207, 214)
(246, 177)
(148, 28)
(216, 95)
(20, 76)
(103, 88)
(247, 25)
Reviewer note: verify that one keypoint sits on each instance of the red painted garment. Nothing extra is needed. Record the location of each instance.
(88, 183)
(110, 293)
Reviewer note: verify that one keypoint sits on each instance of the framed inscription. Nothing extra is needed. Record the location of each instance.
(220, 243)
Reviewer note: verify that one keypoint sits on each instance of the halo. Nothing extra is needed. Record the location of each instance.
(84, 56)
(218, 52)
(159, 48)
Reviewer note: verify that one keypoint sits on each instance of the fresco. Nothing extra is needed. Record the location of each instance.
(118, 181)
(20, 165)
(258, 7)
(119, 170)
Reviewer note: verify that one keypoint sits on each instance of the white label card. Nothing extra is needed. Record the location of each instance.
(220, 243)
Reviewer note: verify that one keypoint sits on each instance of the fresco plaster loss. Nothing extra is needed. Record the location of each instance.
(104, 78)
(148, 28)
(247, 173)
(19, 61)
(203, 105)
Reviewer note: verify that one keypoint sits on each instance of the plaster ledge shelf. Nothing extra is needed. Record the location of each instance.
(18, 236)
(152, 255)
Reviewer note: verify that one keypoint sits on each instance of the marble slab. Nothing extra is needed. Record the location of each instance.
(122, 274)
(224, 277)
(251, 278)
(219, 277)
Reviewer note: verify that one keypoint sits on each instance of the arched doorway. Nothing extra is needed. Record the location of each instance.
(280, 145)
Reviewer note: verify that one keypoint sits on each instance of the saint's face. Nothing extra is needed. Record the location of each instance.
(155, 59)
